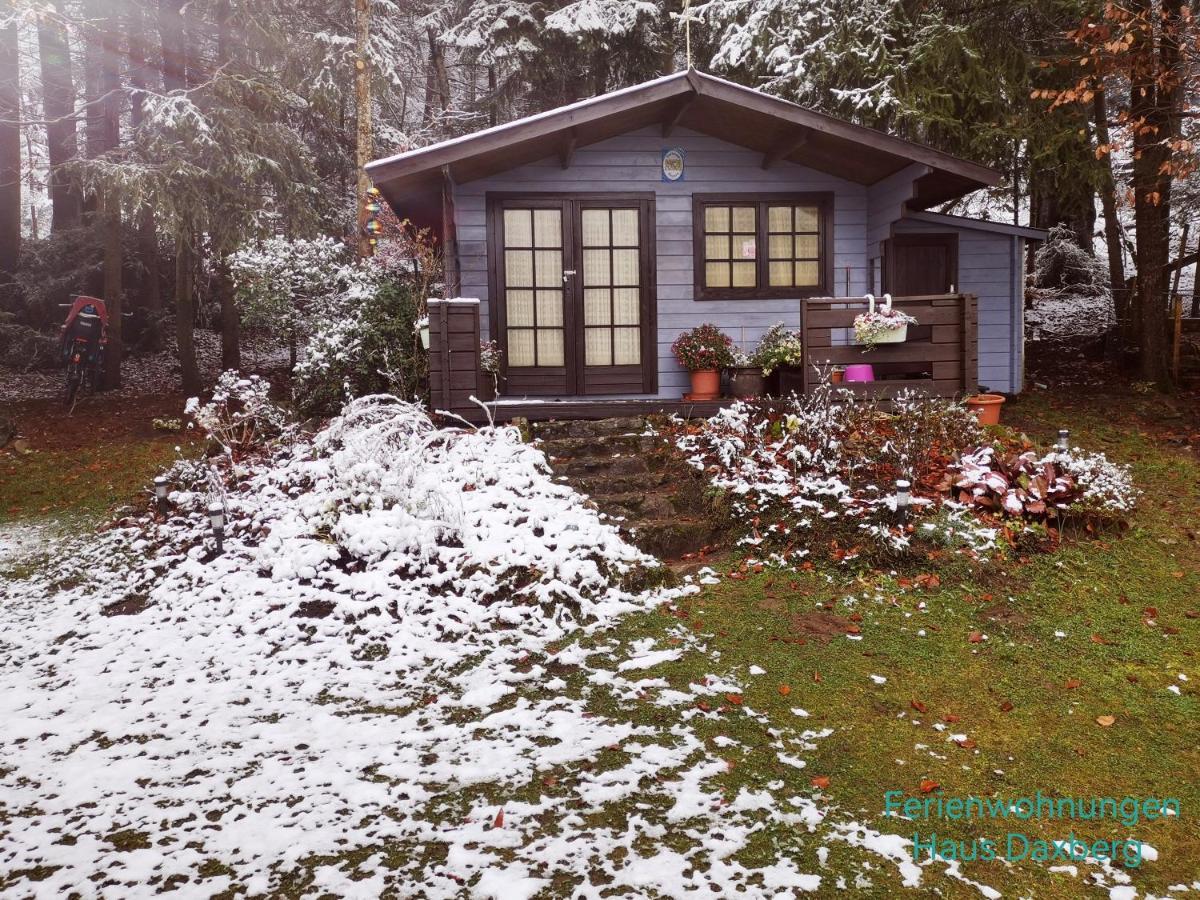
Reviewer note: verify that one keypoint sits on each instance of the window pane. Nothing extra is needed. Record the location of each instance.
(520, 348)
(547, 227)
(716, 218)
(628, 350)
(781, 274)
(625, 268)
(806, 246)
(779, 218)
(625, 227)
(597, 347)
(744, 218)
(518, 268)
(745, 246)
(808, 218)
(626, 306)
(716, 247)
(549, 309)
(808, 274)
(550, 346)
(780, 246)
(549, 268)
(596, 306)
(743, 274)
(595, 228)
(518, 231)
(595, 268)
(716, 275)
(520, 307)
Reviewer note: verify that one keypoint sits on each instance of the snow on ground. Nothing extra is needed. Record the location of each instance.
(147, 374)
(390, 677)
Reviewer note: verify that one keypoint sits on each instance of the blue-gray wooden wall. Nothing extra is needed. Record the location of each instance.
(990, 266)
(632, 162)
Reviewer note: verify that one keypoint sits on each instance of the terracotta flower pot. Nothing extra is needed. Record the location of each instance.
(746, 383)
(837, 376)
(986, 407)
(706, 384)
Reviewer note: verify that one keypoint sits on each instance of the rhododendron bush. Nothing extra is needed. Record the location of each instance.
(819, 472)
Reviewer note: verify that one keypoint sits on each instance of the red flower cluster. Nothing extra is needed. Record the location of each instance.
(704, 347)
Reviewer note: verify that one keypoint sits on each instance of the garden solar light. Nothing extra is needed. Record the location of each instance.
(160, 492)
(216, 518)
(903, 497)
(1063, 439)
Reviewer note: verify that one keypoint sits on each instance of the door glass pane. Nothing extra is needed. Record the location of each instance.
(518, 268)
(716, 274)
(595, 227)
(520, 308)
(627, 350)
(549, 268)
(781, 273)
(743, 218)
(518, 228)
(547, 227)
(716, 246)
(626, 306)
(596, 306)
(597, 346)
(549, 309)
(595, 268)
(550, 346)
(625, 268)
(625, 227)
(520, 347)
(743, 274)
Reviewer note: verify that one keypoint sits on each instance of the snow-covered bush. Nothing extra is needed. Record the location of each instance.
(1062, 265)
(241, 415)
(1104, 486)
(821, 467)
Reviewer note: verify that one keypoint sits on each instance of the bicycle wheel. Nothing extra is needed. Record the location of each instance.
(74, 378)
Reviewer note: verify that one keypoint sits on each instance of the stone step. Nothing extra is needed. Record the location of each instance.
(588, 428)
(606, 485)
(606, 446)
(593, 466)
(671, 538)
(638, 505)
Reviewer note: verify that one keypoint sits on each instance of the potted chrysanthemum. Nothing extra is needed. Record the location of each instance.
(885, 325)
(704, 351)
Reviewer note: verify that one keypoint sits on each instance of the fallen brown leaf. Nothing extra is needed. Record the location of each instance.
(820, 781)
(928, 784)
(1105, 721)
(918, 706)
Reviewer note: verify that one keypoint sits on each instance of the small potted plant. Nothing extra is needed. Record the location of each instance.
(421, 326)
(837, 375)
(986, 407)
(489, 364)
(885, 325)
(781, 355)
(745, 375)
(704, 351)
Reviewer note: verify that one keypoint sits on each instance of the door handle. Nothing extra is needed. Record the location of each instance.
(567, 273)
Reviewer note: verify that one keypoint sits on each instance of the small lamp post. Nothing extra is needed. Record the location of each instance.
(903, 498)
(216, 518)
(1064, 440)
(160, 493)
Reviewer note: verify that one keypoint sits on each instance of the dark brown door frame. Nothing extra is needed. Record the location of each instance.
(949, 240)
(571, 203)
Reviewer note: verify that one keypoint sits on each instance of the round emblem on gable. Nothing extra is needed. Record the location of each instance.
(672, 164)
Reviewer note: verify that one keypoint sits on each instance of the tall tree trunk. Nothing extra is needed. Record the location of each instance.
(185, 313)
(1108, 205)
(141, 77)
(437, 80)
(364, 147)
(173, 37)
(10, 153)
(1150, 98)
(58, 107)
(110, 212)
(231, 344)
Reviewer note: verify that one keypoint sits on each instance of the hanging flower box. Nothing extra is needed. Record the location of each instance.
(884, 325)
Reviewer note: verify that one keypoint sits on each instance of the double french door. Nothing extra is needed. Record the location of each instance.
(573, 293)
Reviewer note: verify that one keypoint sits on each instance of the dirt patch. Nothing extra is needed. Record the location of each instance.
(1004, 614)
(130, 606)
(820, 626)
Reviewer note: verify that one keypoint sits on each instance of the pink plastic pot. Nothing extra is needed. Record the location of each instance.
(860, 372)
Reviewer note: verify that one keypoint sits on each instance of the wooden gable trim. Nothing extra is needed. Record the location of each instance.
(785, 147)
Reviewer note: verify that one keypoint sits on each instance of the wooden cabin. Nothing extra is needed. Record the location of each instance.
(594, 234)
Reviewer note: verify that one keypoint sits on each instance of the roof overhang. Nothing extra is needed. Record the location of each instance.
(776, 128)
(1021, 231)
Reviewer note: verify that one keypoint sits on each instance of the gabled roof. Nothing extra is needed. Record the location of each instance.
(778, 129)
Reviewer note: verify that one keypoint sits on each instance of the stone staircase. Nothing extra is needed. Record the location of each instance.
(627, 470)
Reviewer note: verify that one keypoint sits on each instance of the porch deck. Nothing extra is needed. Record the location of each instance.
(572, 408)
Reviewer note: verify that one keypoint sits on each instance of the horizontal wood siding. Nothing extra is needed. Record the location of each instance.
(989, 269)
(632, 162)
